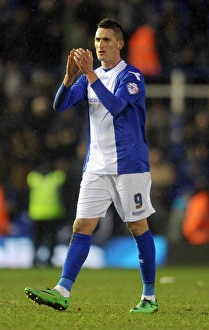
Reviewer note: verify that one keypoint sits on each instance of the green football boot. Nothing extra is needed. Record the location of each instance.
(49, 297)
(145, 306)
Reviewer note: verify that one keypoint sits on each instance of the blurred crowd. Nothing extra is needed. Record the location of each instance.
(35, 39)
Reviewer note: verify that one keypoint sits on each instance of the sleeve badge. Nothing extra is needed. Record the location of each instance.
(132, 88)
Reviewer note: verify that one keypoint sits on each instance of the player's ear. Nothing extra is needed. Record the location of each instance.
(120, 44)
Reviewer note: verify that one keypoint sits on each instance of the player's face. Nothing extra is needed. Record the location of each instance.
(107, 47)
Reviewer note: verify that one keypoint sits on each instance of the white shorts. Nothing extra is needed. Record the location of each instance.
(130, 194)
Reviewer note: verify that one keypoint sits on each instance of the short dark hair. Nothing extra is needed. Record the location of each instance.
(110, 23)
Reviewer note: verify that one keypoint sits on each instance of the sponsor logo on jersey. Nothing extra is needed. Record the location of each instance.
(93, 100)
(136, 74)
(132, 88)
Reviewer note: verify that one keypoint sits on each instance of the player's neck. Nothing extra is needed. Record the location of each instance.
(110, 64)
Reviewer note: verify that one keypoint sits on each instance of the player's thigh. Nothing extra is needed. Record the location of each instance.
(94, 197)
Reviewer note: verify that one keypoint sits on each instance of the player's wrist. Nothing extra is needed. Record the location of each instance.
(91, 76)
(67, 81)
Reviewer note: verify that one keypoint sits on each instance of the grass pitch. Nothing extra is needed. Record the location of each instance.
(101, 299)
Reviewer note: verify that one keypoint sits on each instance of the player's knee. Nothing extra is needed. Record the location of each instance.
(138, 227)
(80, 226)
(84, 226)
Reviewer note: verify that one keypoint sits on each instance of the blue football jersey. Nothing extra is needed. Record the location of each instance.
(116, 119)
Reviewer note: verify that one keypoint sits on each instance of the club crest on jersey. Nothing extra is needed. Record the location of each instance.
(132, 88)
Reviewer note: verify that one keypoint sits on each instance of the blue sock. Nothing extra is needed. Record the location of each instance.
(146, 248)
(76, 256)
